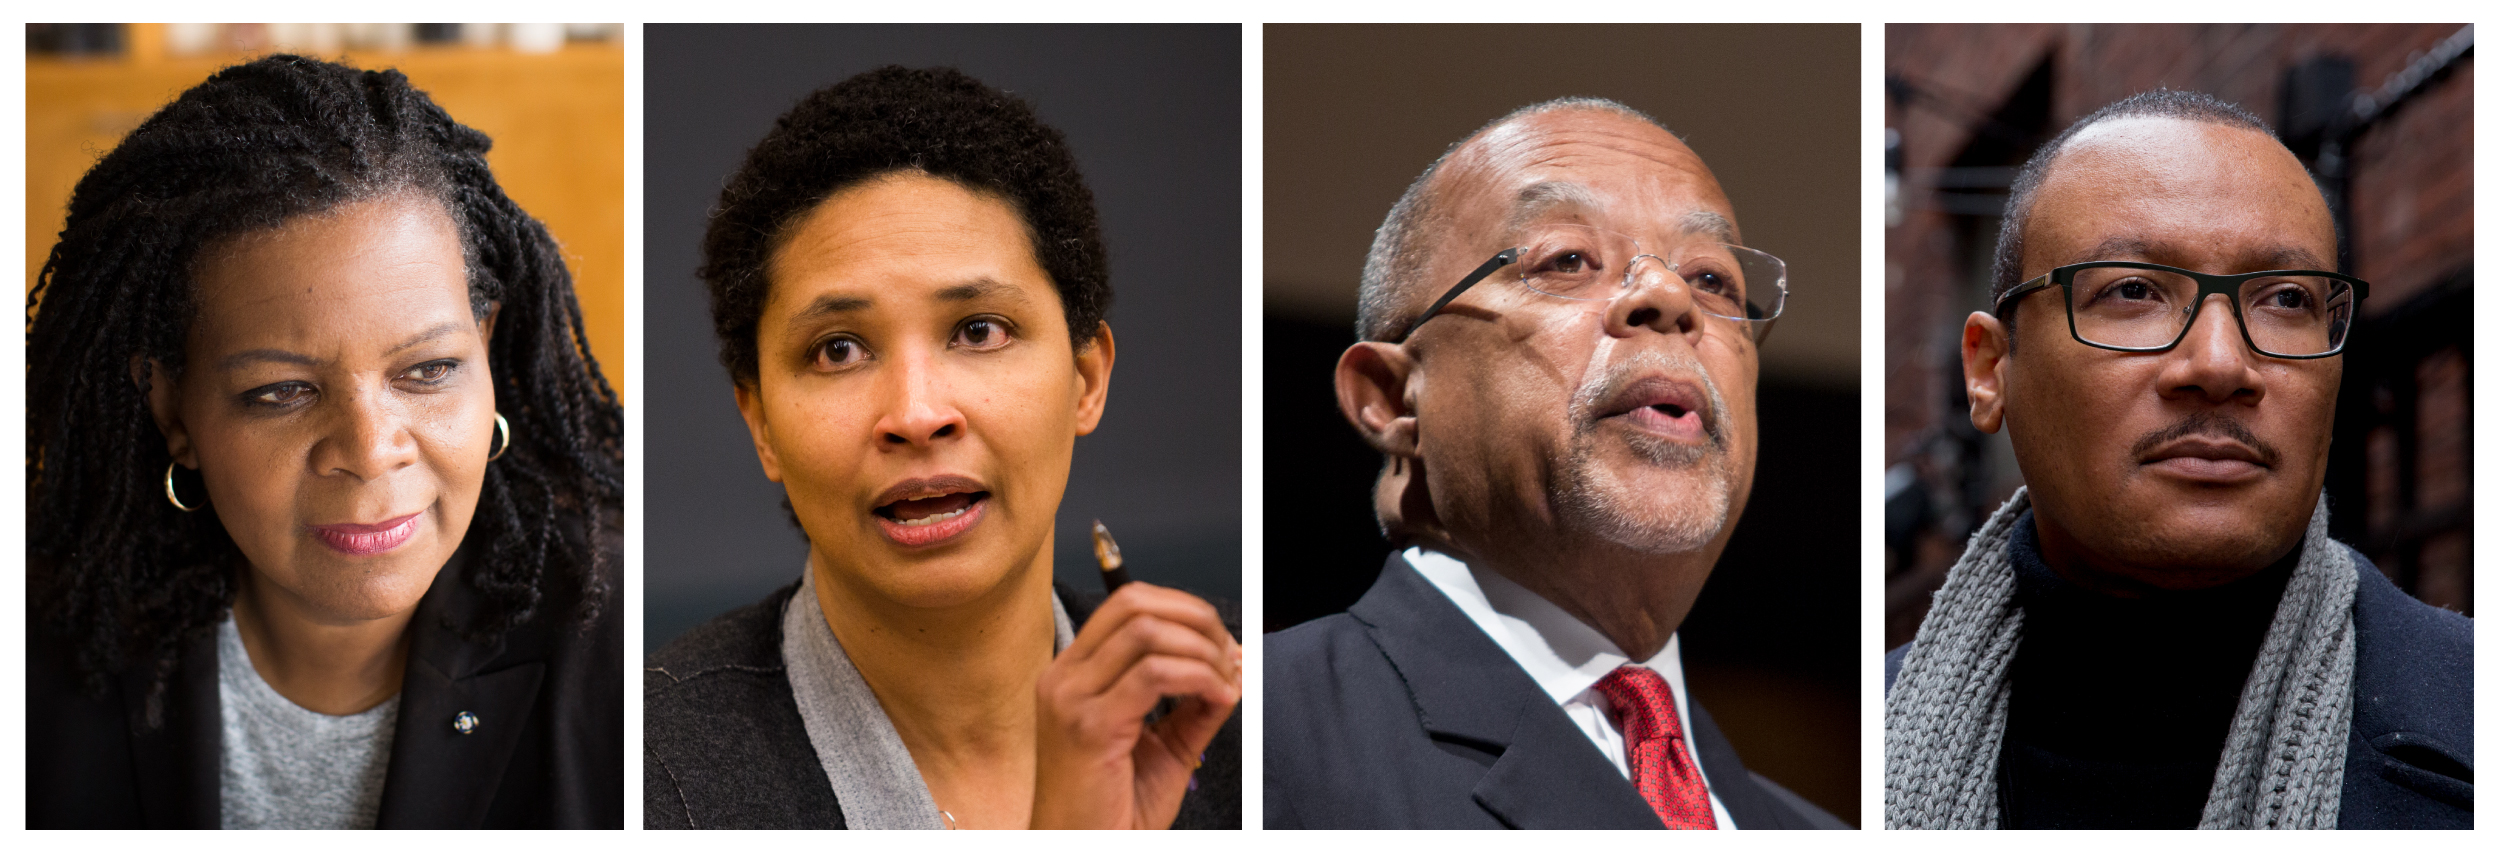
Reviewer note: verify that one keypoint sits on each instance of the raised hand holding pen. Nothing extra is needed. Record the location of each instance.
(1099, 764)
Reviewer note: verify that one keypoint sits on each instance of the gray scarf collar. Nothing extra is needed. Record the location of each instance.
(2282, 764)
(874, 778)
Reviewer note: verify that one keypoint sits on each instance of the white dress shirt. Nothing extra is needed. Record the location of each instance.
(1565, 656)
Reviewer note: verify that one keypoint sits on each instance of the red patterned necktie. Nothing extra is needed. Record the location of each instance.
(1662, 769)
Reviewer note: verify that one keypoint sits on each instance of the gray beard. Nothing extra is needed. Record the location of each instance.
(1593, 498)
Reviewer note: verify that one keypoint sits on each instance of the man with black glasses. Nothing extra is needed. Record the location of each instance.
(2157, 632)
(1559, 324)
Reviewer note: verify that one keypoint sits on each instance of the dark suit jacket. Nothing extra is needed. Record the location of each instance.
(548, 751)
(1400, 713)
(2410, 761)
(723, 745)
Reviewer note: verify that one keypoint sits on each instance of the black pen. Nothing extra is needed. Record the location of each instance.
(1107, 553)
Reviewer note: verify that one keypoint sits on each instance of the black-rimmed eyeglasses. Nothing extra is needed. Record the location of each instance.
(2135, 307)
(1577, 262)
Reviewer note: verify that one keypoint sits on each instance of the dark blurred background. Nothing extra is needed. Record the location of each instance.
(1355, 113)
(1154, 116)
(2382, 114)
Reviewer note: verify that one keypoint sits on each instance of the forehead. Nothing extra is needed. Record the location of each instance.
(885, 235)
(1587, 163)
(2191, 193)
(390, 258)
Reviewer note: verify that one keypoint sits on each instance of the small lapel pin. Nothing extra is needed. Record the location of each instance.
(464, 723)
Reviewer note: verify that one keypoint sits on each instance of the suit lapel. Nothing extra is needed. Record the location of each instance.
(441, 777)
(1469, 693)
(176, 766)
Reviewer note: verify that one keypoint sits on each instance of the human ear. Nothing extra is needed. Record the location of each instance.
(1372, 391)
(1984, 362)
(751, 408)
(1093, 370)
(165, 405)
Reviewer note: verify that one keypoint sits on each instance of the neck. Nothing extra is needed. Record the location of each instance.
(2096, 571)
(325, 664)
(957, 682)
(1636, 600)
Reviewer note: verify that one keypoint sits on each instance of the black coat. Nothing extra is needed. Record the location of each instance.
(723, 745)
(548, 751)
(1400, 713)
(2410, 760)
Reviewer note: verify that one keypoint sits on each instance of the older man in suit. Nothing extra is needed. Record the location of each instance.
(1559, 326)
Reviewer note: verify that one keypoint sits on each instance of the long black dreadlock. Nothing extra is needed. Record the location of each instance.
(126, 576)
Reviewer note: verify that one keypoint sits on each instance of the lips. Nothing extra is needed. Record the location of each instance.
(2207, 458)
(1671, 407)
(930, 511)
(360, 540)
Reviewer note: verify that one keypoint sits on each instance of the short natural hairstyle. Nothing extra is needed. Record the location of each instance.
(124, 574)
(2158, 103)
(1402, 248)
(937, 121)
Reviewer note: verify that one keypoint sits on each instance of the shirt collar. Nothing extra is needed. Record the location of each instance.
(1566, 657)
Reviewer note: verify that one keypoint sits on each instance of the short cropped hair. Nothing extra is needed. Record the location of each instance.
(1401, 249)
(2158, 103)
(937, 121)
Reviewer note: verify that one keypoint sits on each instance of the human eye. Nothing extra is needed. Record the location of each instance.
(1565, 257)
(2129, 291)
(1713, 277)
(2287, 296)
(837, 352)
(284, 395)
(432, 373)
(982, 333)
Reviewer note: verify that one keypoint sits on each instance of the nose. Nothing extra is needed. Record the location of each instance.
(369, 439)
(2212, 361)
(1653, 298)
(918, 406)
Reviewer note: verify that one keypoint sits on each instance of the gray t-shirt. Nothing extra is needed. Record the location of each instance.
(286, 766)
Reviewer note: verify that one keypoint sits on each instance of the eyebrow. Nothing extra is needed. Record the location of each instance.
(828, 306)
(2139, 249)
(1711, 224)
(1536, 200)
(237, 361)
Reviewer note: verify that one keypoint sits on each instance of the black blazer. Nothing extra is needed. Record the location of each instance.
(723, 745)
(1400, 713)
(548, 751)
(2410, 761)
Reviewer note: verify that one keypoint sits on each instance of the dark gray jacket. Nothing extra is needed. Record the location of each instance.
(723, 745)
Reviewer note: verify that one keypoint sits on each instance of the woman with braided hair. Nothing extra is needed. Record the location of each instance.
(323, 483)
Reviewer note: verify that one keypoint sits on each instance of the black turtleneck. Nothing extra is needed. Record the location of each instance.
(2121, 706)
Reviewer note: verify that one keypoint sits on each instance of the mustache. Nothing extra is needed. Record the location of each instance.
(1604, 385)
(2208, 424)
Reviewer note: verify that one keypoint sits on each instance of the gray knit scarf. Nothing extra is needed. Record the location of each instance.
(2282, 765)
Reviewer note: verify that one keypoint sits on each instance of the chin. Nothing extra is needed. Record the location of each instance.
(368, 592)
(1649, 510)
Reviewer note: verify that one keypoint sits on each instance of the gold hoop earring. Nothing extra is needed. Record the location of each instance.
(503, 428)
(169, 489)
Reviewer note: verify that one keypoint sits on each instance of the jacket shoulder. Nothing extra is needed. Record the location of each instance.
(723, 743)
